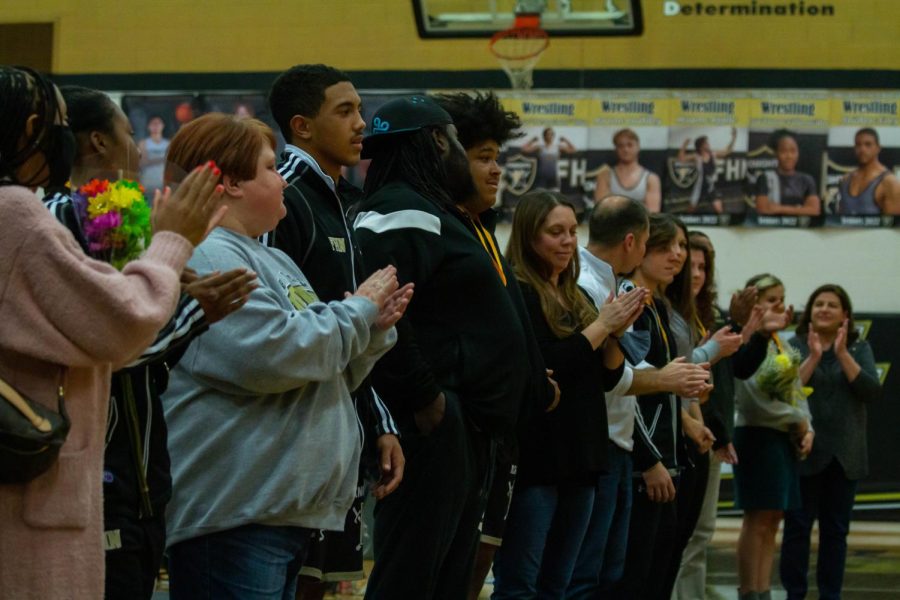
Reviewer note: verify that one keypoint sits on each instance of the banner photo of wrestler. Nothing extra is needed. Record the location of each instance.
(627, 147)
(786, 159)
(550, 154)
(156, 118)
(863, 163)
(706, 166)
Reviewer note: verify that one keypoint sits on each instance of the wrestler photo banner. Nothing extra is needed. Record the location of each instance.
(550, 153)
(713, 158)
(157, 117)
(856, 122)
(627, 147)
(786, 160)
(706, 164)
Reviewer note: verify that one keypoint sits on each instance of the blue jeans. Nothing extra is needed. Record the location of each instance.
(544, 532)
(251, 562)
(601, 561)
(827, 496)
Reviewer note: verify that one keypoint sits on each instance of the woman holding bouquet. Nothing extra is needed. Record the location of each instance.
(841, 370)
(136, 483)
(772, 430)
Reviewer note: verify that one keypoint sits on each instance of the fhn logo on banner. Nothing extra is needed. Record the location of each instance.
(753, 8)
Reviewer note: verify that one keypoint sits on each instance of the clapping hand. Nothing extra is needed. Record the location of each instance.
(729, 342)
(776, 321)
(619, 313)
(219, 294)
(742, 304)
(840, 340)
(194, 209)
(815, 344)
(394, 307)
(684, 378)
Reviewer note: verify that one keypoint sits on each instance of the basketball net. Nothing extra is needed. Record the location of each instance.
(519, 49)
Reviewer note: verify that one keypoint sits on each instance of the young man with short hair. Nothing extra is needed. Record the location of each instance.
(318, 111)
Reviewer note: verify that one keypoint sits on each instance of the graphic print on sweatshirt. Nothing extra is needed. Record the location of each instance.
(299, 293)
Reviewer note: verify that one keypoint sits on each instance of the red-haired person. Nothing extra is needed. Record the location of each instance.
(263, 433)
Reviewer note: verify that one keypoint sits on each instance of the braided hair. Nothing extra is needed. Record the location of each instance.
(23, 92)
(415, 159)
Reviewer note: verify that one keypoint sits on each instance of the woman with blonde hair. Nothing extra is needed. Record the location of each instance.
(771, 432)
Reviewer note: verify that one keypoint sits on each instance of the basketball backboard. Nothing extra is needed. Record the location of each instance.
(482, 18)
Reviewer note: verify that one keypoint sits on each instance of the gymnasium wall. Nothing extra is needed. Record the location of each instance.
(241, 36)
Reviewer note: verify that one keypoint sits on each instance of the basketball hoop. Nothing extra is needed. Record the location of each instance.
(519, 49)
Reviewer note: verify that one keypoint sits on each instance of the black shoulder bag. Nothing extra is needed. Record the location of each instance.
(30, 434)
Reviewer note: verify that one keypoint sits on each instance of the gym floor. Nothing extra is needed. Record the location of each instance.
(873, 565)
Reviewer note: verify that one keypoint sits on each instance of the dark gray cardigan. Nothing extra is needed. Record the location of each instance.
(839, 410)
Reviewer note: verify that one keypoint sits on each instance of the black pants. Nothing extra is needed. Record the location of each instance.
(426, 532)
(688, 504)
(131, 568)
(827, 497)
(651, 542)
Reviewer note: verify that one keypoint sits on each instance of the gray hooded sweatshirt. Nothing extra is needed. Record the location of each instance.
(262, 428)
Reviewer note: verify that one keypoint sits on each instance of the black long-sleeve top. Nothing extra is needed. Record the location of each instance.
(718, 412)
(461, 333)
(136, 436)
(569, 444)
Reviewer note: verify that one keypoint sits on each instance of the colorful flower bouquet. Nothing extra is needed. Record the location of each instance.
(779, 376)
(115, 219)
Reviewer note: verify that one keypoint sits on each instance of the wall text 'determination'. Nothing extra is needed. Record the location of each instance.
(753, 8)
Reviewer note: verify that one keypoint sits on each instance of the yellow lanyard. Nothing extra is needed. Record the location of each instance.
(662, 330)
(778, 343)
(700, 325)
(485, 238)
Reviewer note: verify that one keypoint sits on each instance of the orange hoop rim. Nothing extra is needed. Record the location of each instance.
(534, 33)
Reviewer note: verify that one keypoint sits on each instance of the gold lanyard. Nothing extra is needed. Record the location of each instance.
(662, 330)
(700, 325)
(778, 343)
(485, 238)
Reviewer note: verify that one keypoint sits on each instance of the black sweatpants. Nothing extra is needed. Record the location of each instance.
(689, 504)
(133, 555)
(651, 541)
(426, 532)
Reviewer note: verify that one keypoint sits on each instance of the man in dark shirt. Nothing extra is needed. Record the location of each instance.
(455, 379)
